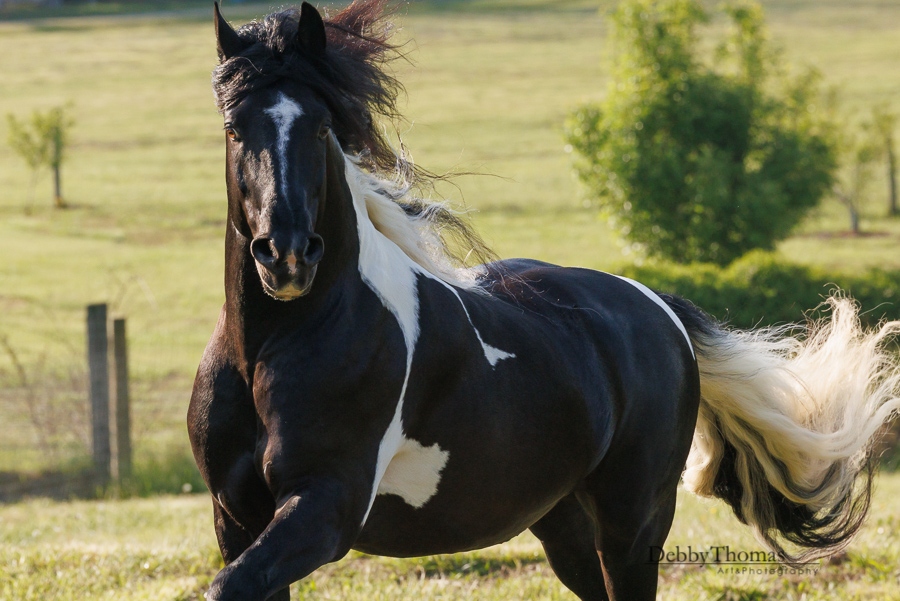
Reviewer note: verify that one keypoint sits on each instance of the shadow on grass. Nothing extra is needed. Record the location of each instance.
(172, 473)
(482, 566)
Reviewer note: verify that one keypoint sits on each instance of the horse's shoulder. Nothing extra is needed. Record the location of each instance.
(218, 373)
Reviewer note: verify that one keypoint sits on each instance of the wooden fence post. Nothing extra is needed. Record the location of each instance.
(98, 363)
(122, 457)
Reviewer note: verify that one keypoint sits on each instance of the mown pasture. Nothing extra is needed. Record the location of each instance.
(163, 548)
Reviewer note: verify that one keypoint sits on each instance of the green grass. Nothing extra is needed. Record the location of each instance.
(164, 548)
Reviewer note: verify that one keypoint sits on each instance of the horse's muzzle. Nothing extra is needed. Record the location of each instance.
(287, 270)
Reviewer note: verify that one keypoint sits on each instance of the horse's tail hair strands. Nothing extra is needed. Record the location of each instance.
(787, 423)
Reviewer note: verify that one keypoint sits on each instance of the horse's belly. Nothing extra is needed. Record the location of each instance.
(461, 511)
(396, 529)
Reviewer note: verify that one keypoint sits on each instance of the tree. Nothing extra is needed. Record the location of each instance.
(858, 152)
(41, 142)
(699, 164)
(884, 122)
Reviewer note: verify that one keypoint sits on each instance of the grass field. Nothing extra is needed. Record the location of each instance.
(163, 548)
(491, 84)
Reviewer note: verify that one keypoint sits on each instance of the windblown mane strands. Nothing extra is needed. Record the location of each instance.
(415, 225)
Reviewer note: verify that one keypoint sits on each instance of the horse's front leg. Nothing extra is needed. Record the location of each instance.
(310, 528)
(234, 539)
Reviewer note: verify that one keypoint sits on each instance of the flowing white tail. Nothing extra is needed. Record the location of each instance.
(787, 424)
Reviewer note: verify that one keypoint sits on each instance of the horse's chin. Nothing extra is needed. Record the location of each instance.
(290, 290)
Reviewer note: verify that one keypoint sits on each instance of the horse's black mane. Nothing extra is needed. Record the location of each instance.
(352, 80)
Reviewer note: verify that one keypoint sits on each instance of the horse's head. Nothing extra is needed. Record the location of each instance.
(283, 84)
(277, 137)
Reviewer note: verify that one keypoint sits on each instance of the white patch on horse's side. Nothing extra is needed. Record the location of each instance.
(414, 472)
(404, 467)
(283, 113)
(656, 299)
(386, 269)
(492, 354)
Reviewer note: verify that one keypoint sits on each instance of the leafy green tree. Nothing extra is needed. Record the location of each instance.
(41, 141)
(858, 151)
(884, 122)
(693, 163)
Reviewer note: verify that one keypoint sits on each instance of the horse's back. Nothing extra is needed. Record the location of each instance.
(641, 356)
(624, 317)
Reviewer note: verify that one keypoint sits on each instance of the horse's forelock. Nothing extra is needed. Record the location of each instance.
(350, 78)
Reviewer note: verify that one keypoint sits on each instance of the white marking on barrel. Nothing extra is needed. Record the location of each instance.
(655, 298)
(404, 466)
(414, 472)
(387, 270)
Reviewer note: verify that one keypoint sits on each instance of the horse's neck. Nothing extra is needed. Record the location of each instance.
(252, 316)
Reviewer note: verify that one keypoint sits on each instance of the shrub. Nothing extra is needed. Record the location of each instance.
(759, 289)
(696, 164)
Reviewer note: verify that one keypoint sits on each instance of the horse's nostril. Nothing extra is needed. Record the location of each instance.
(264, 251)
(315, 247)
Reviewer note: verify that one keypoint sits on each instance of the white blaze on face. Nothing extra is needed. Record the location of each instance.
(283, 113)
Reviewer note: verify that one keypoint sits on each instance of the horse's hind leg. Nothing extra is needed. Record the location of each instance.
(625, 543)
(631, 497)
(568, 536)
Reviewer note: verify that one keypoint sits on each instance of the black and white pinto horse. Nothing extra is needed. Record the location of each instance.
(363, 390)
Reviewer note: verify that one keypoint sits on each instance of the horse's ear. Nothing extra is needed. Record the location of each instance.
(227, 41)
(311, 30)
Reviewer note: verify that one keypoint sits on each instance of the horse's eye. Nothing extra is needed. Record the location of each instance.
(232, 135)
(324, 131)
